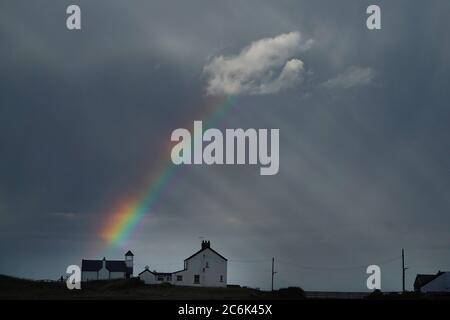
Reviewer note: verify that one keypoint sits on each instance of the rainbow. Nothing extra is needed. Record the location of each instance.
(127, 214)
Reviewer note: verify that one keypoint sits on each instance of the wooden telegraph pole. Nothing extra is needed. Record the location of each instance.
(273, 270)
(403, 270)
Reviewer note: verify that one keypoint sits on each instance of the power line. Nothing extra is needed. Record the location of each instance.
(336, 267)
(427, 267)
(249, 261)
(429, 249)
(300, 266)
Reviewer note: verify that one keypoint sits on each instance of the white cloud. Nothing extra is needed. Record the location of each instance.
(352, 77)
(265, 66)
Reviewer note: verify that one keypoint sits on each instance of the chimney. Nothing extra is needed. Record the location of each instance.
(104, 263)
(205, 244)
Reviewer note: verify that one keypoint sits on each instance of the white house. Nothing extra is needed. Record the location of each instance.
(107, 269)
(205, 268)
(433, 283)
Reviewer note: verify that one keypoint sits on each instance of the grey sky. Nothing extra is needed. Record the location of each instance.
(364, 138)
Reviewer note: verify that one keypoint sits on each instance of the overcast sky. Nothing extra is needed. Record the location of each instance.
(85, 117)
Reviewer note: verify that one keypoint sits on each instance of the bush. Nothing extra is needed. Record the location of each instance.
(291, 293)
(376, 294)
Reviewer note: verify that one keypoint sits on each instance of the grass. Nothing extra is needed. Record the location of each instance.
(15, 288)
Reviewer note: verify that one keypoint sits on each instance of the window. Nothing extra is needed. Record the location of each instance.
(179, 278)
(207, 264)
(160, 278)
(221, 278)
(197, 278)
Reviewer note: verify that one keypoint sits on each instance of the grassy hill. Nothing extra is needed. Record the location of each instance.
(15, 288)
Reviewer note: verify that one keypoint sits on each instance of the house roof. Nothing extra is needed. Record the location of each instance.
(179, 271)
(157, 273)
(205, 246)
(145, 270)
(162, 273)
(423, 279)
(203, 249)
(91, 265)
(111, 265)
(129, 253)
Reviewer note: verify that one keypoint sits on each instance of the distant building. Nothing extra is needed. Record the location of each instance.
(107, 269)
(205, 268)
(433, 283)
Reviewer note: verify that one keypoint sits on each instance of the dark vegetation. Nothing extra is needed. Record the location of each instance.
(15, 288)
(134, 289)
(378, 295)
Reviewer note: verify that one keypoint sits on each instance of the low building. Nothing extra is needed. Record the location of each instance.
(433, 283)
(107, 269)
(205, 268)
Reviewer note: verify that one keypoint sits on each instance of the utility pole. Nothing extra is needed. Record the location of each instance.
(403, 270)
(273, 270)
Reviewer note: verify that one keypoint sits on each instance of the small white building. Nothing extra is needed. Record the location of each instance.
(433, 283)
(205, 268)
(107, 269)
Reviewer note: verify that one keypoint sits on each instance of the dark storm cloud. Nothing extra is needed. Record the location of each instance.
(363, 169)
